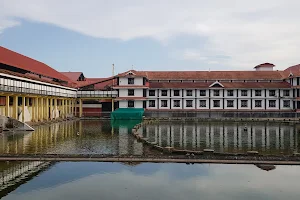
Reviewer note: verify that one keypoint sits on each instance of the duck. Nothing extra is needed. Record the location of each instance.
(78, 133)
(245, 128)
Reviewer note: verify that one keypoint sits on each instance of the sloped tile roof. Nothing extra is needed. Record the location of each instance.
(17, 60)
(72, 75)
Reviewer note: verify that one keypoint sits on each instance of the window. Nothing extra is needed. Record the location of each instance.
(151, 93)
(152, 103)
(244, 93)
(203, 103)
(189, 93)
(244, 103)
(164, 103)
(286, 104)
(164, 93)
(202, 93)
(286, 93)
(130, 92)
(216, 103)
(189, 103)
(177, 103)
(230, 93)
(130, 104)
(130, 81)
(272, 103)
(257, 92)
(216, 92)
(271, 93)
(230, 103)
(257, 103)
(176, 92)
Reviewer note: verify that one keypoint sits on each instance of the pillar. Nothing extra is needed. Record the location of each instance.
(32, 109)
(112, 105)
(36, 109)
(23, 108)
(41, 107)
(15, 107)
(7, 106)
(63, 108)
(47, 109)
(75, 105)
(51, 109)
(55, 108)
(80, 107)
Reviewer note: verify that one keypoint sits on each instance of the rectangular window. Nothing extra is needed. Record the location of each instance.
(164, 93)
(164, 103)
(257, 93)
(216, 103)
(202, 103)
(271, 93)
(176, 93)
(189, 93)
(272, 103)
(189, 103)
(244, 103)
(286, 93)
(151, 93)
(130, 104)
(130, 92)
(230, 103)
(216, 93)
(257, 103)
(244, 93)
(286, 103)
(176, 103)
(202, 93)
(130, 81)
(230, 93)
(152, 103)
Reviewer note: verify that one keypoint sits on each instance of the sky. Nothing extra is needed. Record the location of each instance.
(91, 35)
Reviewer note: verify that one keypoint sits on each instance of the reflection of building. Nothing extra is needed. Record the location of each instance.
(225, 137)
(266, 167)
(14, 174)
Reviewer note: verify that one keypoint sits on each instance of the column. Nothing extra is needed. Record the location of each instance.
(51, 109)
(32, 109)
(15, 107)
(7, 106)
(23, 108)
(55, 108)
(80, 107)
(47, 109)
(112, 105)
(41, 109)
(36, 109)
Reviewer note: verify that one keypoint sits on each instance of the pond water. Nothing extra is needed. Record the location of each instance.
(88, 180)
(102, 137)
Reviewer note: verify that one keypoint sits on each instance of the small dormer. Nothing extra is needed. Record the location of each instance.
(130, 73)
(217, 84)
(264, 67)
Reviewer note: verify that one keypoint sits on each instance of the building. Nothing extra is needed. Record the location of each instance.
(262, 89)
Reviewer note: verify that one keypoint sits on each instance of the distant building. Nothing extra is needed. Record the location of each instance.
(259, 90)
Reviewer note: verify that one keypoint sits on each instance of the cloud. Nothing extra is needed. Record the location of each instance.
(249, 32)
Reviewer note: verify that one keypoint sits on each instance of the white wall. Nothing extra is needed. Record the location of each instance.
(137, 104)
(124, 93)
(137, 81)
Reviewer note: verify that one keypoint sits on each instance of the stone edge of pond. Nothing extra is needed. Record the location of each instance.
(188, 153)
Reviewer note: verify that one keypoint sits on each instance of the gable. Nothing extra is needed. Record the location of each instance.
(217, 84)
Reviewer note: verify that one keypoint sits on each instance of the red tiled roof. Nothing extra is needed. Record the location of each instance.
(130, 86)
(208, 75)
(225, 84)
(99, 83)
(265, 64)
(17, 60)
(72, 75)
(295, 70)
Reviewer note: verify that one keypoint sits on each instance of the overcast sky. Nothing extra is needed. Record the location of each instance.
(90, 35)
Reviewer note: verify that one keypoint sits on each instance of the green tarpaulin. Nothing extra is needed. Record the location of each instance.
(124, 123)
(127, 114)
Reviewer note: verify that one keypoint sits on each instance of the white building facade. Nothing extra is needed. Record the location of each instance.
(260, 90)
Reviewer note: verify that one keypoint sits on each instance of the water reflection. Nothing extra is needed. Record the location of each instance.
(103, 137)
(72, 137)
(160, 181)
(268, 138)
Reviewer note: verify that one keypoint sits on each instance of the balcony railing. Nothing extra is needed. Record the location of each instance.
(100, 94)
(5, 88)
